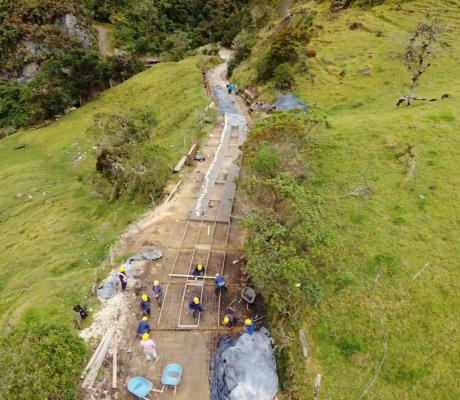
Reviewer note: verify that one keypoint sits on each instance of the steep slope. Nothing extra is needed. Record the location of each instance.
(373, 229)
(55, 228)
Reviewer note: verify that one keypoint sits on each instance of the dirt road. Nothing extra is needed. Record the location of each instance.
(103, 41)
(194, 227)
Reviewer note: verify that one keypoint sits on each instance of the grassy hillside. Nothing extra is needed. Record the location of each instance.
(55, 229)
(383, 246)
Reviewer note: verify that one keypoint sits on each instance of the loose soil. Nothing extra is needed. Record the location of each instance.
(168, 229)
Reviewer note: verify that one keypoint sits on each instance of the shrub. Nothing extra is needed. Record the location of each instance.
(40, 361)
(283, 77)
(265, 161)
(126, 160)
(311, 53)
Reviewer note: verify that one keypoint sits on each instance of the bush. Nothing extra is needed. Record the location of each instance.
(311, 53)
(265, 161)
(126, 160)
(40, 361)
(283, 77)
(14, 106)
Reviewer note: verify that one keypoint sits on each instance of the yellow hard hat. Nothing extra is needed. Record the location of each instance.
(145, 336)
(200, 267)
(156, 283)
(144, 318)
(196, 300)
(145, 297)
(248, 322)
(122, 269)
(217, 274)
(226, 320)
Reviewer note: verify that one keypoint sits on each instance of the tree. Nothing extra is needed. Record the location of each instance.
(419, 50)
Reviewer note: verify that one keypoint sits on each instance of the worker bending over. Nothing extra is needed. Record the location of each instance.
(220, 283)
(145, 305)
(195, 306)
(143, 327)
(198, 271)
(229, 321)
(249, 326)
(158, 292)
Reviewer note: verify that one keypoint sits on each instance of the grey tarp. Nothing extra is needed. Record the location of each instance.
(109, 286)
(244, 369)
(289, 102)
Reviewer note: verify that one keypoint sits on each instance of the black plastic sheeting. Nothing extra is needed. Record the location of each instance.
(219, 390)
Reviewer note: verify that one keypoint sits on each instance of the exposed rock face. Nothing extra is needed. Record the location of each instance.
(42, 30)
(74, 30)
(28, 72)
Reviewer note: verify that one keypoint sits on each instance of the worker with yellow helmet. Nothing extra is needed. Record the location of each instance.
(149, 347)
(158, 292)
(145, 305)
(143, 327)
(199, 270)
(249, 326)
(229, 321)
(123, 276)
(195, 306)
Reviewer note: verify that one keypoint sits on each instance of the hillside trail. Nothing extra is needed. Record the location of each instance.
(194, 227)
(103, 41)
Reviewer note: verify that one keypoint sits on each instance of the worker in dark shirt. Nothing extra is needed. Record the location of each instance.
(195, 306)
(198, 271)
(229, 321)
(145, 305)
(123, 278)
(220, 283)
(158, 292)
(143, 327)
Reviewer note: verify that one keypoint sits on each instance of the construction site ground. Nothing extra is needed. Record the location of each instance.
(187, 237)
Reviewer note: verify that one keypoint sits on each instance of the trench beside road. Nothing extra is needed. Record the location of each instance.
(195, 226)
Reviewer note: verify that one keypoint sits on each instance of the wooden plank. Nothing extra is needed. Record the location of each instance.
(114, 364)
(95, 354)
(317, 386)
(173, 191)
(88, 382)
(180, 164)
(191, 154)
(191, 277)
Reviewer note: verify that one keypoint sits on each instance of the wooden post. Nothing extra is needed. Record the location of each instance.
(114, 364)
(303, 341)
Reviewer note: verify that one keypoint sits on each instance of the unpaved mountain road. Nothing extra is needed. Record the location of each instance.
(103, 41)
(187, 239)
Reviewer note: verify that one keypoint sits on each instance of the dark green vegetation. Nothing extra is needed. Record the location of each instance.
(172, 27)
(352, 236)
(57, 224)
(40, 361)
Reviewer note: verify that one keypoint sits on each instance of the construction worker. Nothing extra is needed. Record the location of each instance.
(143, 327)
(195, 306)
(145, 305)
(236, 89)
(249, 326)
(229, 321)
(149, 347)
(198, 271)
(220, 283)
(158, 292)
(123, 278)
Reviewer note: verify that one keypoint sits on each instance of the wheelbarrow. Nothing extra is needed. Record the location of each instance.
(248, 294)
(141, 387)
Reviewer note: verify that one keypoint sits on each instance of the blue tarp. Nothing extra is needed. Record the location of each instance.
(289, 102)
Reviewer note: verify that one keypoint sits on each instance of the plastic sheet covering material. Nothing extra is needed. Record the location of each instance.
(109, 286)
(244, 368)
(289, 102)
